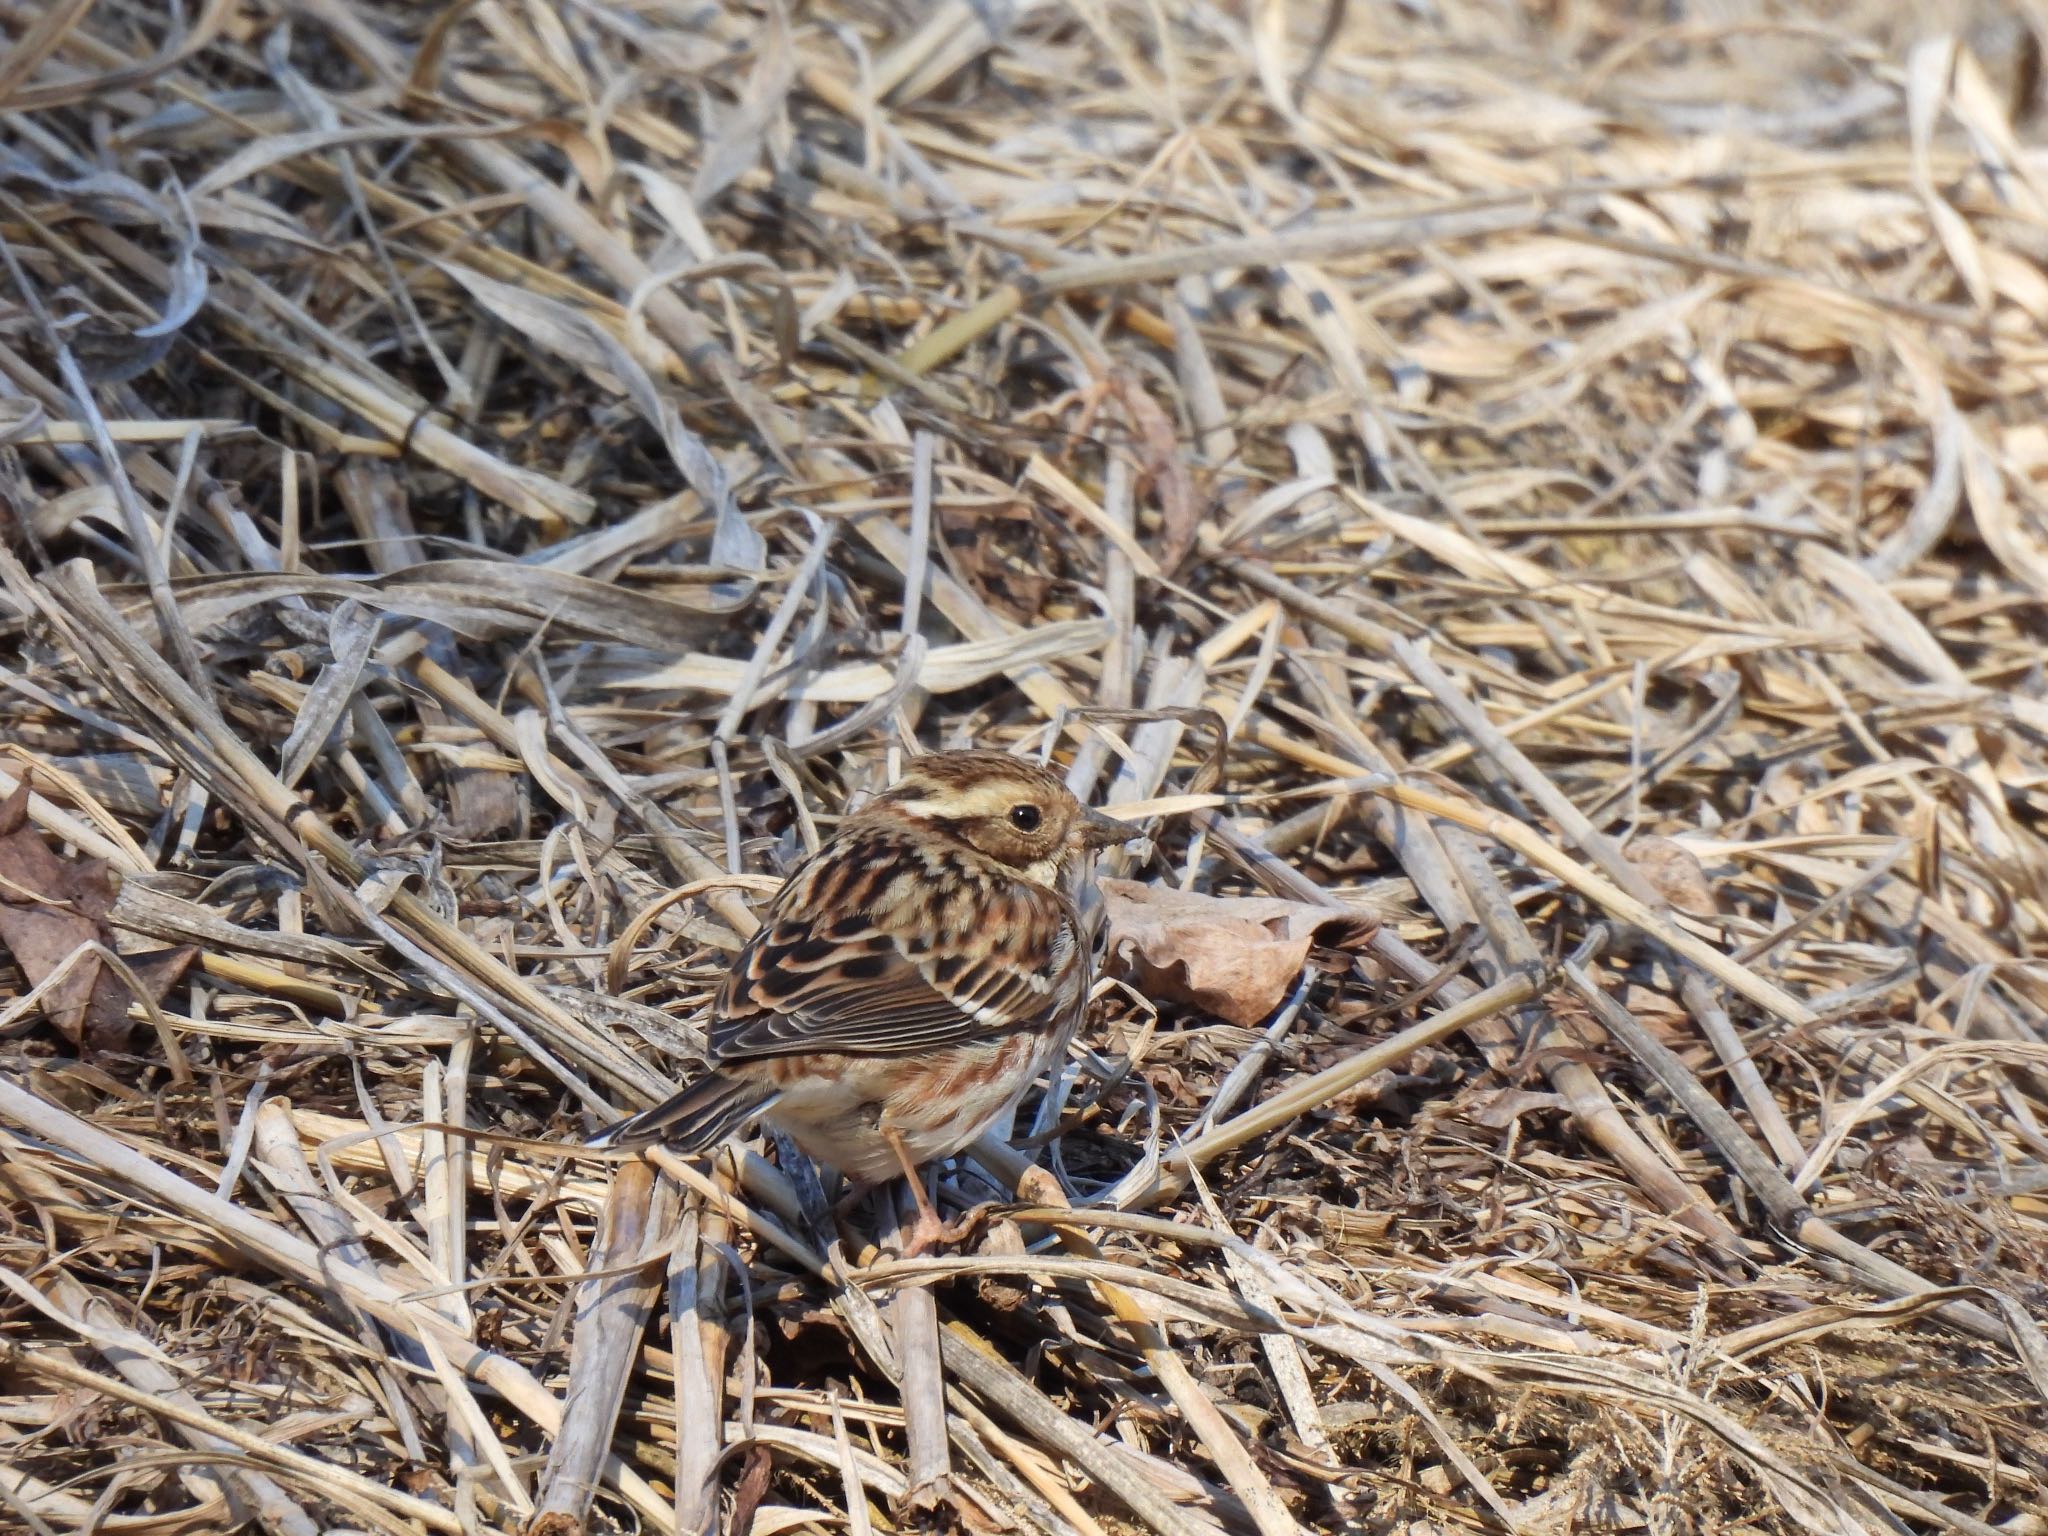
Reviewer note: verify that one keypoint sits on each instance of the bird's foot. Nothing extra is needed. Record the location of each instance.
(930, 1232)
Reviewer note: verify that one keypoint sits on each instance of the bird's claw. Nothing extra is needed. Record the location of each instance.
(930, 1232)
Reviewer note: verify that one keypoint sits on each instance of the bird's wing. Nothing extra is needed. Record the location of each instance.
(881, 982)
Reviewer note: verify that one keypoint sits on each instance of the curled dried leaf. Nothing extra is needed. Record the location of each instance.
(1233, 956)
(52, 906)
(1676, 873)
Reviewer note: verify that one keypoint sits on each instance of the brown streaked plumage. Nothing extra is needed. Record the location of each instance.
(909, 982)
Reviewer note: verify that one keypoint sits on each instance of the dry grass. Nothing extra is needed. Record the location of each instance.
(481, 485)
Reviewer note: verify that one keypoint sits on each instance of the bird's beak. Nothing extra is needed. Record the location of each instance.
(1100, 831)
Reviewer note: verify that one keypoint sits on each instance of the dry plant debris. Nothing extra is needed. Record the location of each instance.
(481, 487)
(53, 922)
(1233, 957)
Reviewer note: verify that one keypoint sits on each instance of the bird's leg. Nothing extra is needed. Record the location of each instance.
(929, 1229)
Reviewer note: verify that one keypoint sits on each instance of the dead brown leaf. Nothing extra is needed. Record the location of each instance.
(49, 906)
(1676, 873)
(1232, 956)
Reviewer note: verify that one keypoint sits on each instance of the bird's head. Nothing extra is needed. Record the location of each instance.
(1005, 808)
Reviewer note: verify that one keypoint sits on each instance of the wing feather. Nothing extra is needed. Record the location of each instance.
(869, 977)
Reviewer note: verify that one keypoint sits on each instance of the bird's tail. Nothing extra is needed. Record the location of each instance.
(695, 1120)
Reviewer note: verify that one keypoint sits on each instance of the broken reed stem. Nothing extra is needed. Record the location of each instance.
(465, 701)
(719, 1198)
(696, 1340)
(914, 1325)
(1617, 903)
(279, 1155)
(1710, 1010)
(611, 1317)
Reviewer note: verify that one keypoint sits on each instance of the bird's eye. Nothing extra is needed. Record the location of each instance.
(1025, 818)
